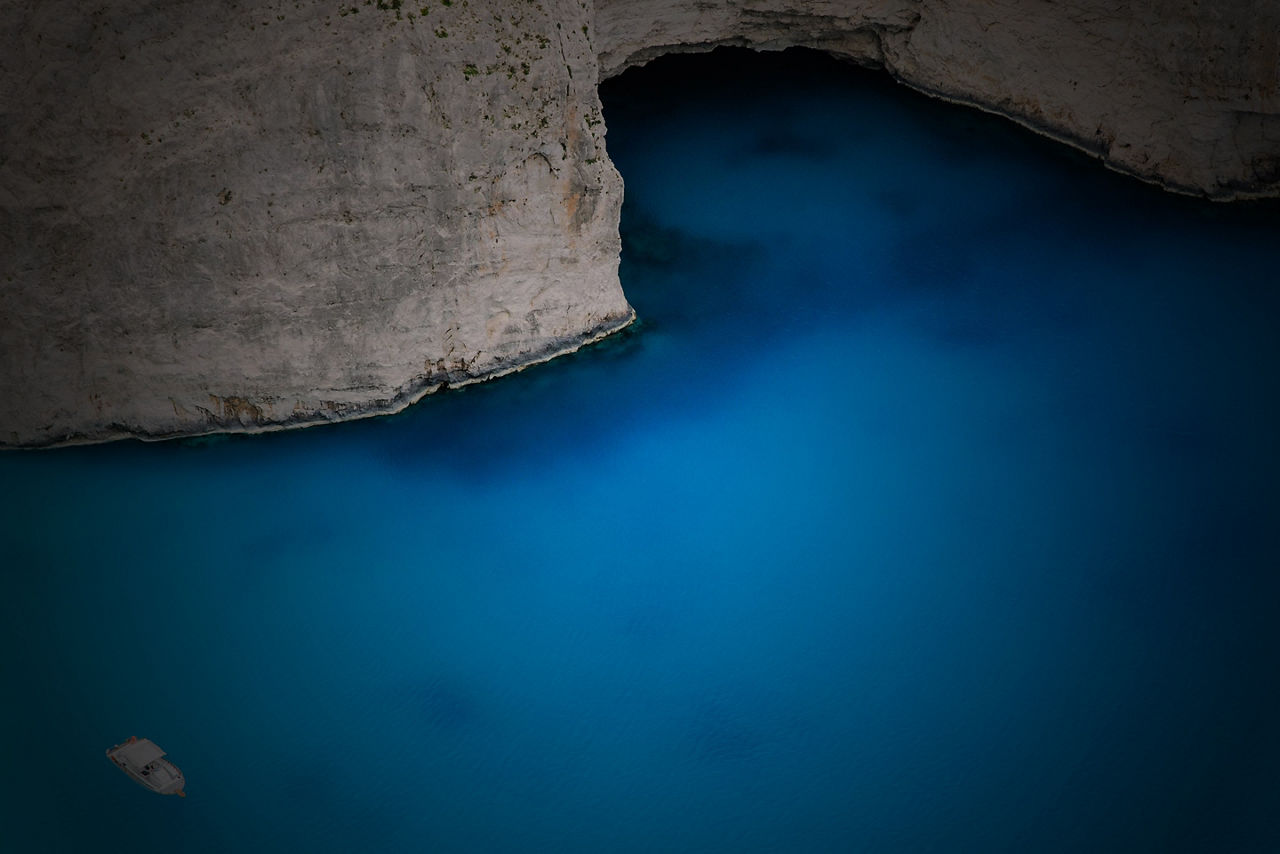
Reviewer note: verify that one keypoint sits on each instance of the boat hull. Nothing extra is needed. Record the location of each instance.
(144, 763)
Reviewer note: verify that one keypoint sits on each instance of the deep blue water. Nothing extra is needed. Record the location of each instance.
(932, 505)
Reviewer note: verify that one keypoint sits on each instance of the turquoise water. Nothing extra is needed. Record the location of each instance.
(931, 506)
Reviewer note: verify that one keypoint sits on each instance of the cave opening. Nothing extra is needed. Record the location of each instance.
(817, 128)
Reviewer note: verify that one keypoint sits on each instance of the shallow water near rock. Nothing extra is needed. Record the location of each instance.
(931, 505)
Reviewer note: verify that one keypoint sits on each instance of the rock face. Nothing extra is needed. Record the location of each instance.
(223, 217)
(1182, 93)
(230, 218)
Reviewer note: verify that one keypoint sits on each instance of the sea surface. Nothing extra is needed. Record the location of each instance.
(933, 504)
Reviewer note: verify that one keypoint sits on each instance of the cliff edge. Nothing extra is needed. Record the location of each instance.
(244, 216)
(237, 217)
(1180, 93)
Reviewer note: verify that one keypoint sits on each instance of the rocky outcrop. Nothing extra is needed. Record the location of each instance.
(243, 217)
(1182, 93)
(222, 217)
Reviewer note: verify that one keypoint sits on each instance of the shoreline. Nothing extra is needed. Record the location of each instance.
(1228, 196)
(409, 394)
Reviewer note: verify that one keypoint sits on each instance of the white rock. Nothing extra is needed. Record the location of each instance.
(1182, 93)
(222, 217)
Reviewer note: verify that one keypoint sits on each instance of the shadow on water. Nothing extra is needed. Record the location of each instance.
(690, 290)
(787, 144)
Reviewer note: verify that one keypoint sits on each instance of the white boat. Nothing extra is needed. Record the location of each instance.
(143, 760)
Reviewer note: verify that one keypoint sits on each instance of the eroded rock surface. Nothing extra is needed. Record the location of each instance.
(240, 217)
(1183, 93)
(222, 217)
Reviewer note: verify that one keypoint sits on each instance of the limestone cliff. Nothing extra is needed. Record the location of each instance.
(1182, 93)
(239, 217)
(222, 217)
